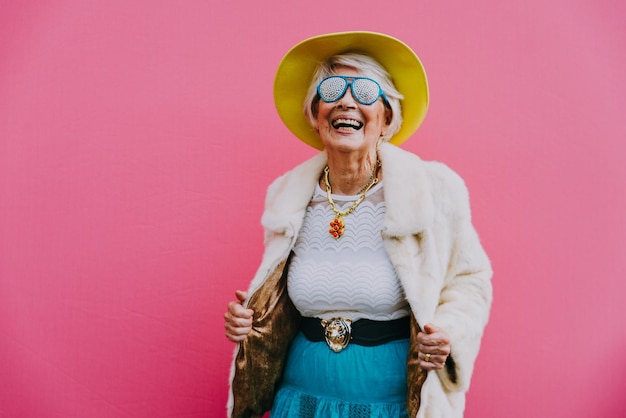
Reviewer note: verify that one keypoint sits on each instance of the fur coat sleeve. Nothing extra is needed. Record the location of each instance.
(445, 273)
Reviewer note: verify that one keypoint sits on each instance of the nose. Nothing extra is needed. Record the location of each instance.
(347, 100)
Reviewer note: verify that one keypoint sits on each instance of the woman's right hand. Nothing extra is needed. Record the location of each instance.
(238, 320)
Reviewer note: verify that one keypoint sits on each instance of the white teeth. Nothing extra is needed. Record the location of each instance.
(347, 123)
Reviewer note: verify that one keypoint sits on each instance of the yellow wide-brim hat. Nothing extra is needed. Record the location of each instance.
(295, 73)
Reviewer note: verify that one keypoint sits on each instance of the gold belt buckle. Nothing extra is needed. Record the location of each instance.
(337, 333)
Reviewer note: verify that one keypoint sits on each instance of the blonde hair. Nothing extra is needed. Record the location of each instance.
(367, 67)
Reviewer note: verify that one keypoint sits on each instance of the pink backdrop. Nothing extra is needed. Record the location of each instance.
(137, 139)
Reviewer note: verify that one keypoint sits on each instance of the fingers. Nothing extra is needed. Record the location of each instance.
(430, 328)
(236, 334)
(238, 316)
(433, 346)
(236, 309)
(241, 295)
(434, 337)
(237, 323)
(237, 319)
(432, 361)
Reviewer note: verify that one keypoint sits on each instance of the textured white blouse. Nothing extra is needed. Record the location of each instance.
(352, 276)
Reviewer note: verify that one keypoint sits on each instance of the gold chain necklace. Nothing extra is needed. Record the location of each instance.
(337, 226)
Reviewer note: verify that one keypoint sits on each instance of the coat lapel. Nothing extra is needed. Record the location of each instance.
(289, 196)
(407, 192)
(407, 229)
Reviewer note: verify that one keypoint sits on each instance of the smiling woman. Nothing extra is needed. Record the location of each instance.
(373, 276)
(329, 86)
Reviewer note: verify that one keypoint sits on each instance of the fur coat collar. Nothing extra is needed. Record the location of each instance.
(409, 209)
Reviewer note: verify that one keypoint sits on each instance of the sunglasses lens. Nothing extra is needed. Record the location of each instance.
(365, 90)
(331, 89)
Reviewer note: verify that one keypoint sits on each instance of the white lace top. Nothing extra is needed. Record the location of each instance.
(352, 276)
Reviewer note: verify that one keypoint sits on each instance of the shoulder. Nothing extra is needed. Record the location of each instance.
(302, 176)
(446, 179)
(410, 170)
(288, 196)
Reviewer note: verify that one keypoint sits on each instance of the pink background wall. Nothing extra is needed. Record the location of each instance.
(137, 139)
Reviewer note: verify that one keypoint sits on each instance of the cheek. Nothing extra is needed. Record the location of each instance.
(385, 119)
(320, 122)
(321, 116)
(378, 120)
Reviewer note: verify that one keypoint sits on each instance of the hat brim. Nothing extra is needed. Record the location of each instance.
(296, 69)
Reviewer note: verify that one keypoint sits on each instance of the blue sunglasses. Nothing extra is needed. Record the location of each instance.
(364, 90)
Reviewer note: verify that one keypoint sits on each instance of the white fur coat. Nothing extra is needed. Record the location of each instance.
(433, 246)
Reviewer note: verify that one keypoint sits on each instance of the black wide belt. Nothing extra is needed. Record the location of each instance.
(339, 332)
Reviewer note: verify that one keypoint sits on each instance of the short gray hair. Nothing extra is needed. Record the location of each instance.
(367, 67)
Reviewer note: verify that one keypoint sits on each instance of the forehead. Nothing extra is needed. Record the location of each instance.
(345, 70)
(353, 71)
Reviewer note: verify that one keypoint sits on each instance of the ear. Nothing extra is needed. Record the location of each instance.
(388, 116)
(315, 107)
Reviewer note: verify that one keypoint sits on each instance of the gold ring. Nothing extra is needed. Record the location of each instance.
(427, 358)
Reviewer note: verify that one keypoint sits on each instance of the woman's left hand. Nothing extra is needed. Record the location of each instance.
(434, 347)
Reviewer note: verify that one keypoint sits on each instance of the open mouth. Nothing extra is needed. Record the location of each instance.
(347, 124)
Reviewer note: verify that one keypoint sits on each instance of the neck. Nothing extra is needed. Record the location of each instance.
(349, 175)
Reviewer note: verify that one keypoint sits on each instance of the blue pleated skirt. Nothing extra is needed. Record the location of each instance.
(358, 382)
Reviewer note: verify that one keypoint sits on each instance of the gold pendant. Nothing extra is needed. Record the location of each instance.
(336, 227)
(337, 333)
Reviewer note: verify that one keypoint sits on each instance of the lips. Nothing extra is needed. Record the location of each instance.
(345, 124)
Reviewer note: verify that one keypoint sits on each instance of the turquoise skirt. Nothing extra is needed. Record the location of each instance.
(358, 382)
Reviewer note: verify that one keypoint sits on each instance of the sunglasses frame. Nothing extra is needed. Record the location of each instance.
(349, 80)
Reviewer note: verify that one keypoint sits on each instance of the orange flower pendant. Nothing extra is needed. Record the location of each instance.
(337, 227)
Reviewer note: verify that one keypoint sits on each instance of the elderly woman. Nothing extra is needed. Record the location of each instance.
(373, 291)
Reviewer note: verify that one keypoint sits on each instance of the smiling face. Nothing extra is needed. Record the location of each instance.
(349, 126)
